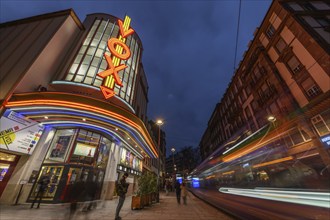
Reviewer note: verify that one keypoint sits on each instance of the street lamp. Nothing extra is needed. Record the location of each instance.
(271, 118)
(174, 179)
(173, 150)
(159, 122)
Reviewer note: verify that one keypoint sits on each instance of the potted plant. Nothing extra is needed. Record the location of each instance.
(153, 187)
(147, 190)
(136, 202)
(138, 199)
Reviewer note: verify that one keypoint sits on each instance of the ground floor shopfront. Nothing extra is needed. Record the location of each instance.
(69, 145)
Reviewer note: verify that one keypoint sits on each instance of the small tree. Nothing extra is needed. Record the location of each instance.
(147, 183)
(152, 183)
(143, 184)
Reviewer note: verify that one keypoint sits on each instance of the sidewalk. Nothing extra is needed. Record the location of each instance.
(167, 209)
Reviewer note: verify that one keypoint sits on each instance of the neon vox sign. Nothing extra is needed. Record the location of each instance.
(120, 51)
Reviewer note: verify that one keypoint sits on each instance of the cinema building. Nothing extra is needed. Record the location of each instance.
(73, 104)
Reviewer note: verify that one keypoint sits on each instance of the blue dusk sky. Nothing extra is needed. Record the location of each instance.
(189, 51)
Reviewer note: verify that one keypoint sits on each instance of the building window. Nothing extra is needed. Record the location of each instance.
(323, 22)
(295, 65)
(311, 89)
(321, 25)
(280, 45)
(295, 137)
(308, 6)
(248, 90)
(235, 89)
(295, 7)
(270, 31)
(321, 5)
(254, 105)
(322, 123)
(90, 60)
(61, 143)
(247, 113)
(103, 153)
(86, 147)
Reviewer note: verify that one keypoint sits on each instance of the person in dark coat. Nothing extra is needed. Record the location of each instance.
(122, 187)
(178, 191)
(75, 195)
(91, 189)
(42, 187)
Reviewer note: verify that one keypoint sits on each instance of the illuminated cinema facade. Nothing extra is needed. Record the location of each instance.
(73, 104)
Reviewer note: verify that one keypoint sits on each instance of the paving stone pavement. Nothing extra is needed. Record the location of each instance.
(167, 209)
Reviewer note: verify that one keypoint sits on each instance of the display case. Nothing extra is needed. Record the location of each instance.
(55, 173)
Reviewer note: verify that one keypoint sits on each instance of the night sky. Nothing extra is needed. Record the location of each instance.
(189, 51)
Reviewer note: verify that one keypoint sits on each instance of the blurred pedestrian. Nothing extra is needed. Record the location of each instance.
(41, 188)
(121, 188)
(91, 189)
(178, 191)
(184, 193)
(76, 192)
(166, 187)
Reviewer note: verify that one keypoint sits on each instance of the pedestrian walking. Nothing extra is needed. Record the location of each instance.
(76, 192)
(166, 187)
(90, 196)
(121, 188)
(41, 187)
(178, 191)
(184, 193)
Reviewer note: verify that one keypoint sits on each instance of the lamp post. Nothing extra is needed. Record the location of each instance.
(173, 150)
(159, 122)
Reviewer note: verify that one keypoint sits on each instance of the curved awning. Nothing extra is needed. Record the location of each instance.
(71, 109)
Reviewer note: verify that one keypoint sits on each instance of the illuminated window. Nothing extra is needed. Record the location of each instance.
(103, 154)
(61, 144)
(296, 136)
(322, 123)
(7, 157)
(90, 59)
(85, 147)
(3, 170)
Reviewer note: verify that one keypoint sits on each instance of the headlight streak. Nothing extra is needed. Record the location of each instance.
(236, 145)
(320, 199)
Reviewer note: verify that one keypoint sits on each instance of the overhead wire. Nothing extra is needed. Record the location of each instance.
(237, 31)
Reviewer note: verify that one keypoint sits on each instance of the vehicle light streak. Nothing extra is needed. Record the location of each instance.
(273, 162)
(320, 199)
